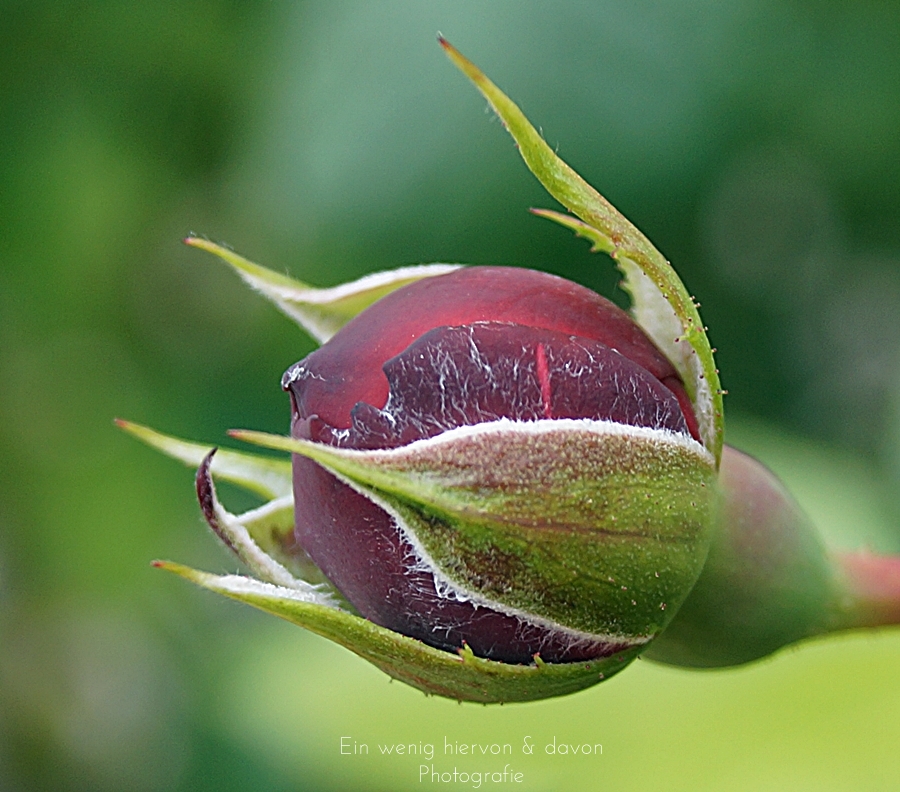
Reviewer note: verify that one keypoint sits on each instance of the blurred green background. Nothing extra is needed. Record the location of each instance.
(755, 142)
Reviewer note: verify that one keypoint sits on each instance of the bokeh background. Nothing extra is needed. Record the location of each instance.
(755, 141)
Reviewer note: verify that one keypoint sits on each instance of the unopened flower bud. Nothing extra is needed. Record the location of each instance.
(544, 492)
(504, 488)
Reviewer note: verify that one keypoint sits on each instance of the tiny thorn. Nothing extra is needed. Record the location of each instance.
(465, 652)
(157, 564)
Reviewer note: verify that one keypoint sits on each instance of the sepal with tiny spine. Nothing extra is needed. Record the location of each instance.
(660, 302)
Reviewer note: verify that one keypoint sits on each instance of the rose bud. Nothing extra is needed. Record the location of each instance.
(504, 488)
(563, 393)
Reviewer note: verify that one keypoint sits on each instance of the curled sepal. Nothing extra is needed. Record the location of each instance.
(269, 523)
(321, 312)
(270, 526)
(661, 304)
(460, 676)
(596, 528)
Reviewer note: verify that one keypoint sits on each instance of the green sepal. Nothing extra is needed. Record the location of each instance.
(592, 526)
(461, 676)
(661, 303)
(321, 312)
(265, 476)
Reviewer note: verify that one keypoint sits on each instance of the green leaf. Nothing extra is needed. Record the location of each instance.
(661, 304)
(321, 312)
(462, 676)
(270, 478)
(597, 528)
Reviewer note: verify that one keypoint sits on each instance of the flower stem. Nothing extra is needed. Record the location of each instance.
(871, 588)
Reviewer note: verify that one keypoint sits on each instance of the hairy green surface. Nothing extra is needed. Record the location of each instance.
(602, 529)
(462, 676)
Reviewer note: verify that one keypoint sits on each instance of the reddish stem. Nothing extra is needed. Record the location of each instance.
(872, 583)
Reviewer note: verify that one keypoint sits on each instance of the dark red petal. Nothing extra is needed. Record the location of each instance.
(348, 369)
(460, 376)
